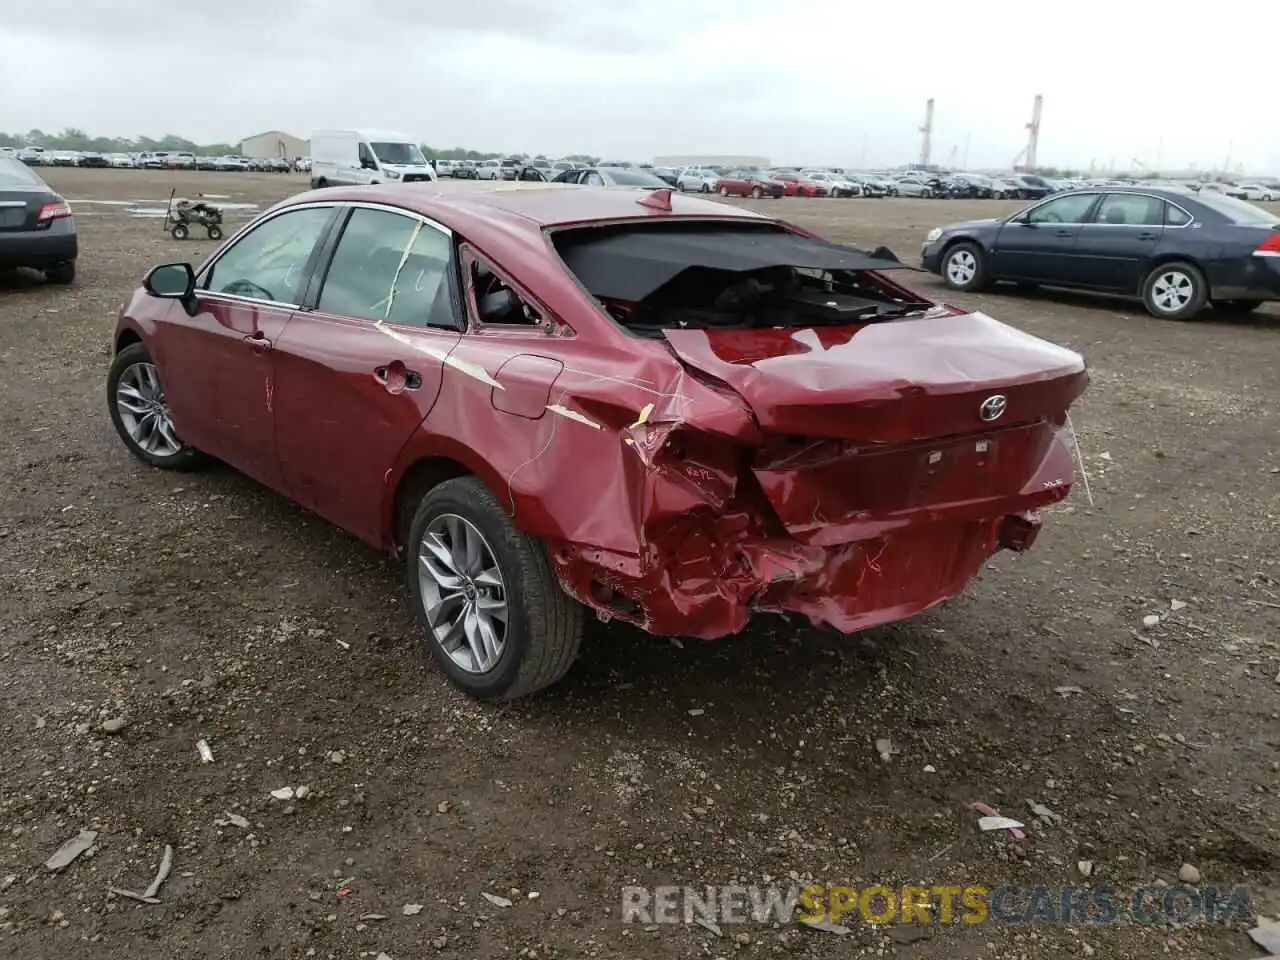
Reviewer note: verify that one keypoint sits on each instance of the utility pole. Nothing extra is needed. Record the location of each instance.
(966, 150)
(1033, 132)
(926, 134)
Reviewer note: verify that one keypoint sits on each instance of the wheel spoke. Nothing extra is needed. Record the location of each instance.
(471, 627)
(443, 576)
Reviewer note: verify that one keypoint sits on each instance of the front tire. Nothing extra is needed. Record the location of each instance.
(135, 399)
(756, 193)
(179, 231)
(724, 191)
(494, 615)
(964, 267)
(1175, 291)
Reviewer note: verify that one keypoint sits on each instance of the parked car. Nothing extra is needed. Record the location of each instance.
(969, 186)
(1259, 191)
(784, 428)
(799, 185)
(509, 169)
(668, 175)
(93, 159)
(32, 156)
(611, 177)
(914, 187)
(698, 179)
(749, 183)
(867, 186)
(121, 161)
(836, 183)
(1176, 250)
(463, 170)
(488, 170)
(37, 230)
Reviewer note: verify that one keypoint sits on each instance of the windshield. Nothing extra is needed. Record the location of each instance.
(626, 177)
(405, 153)
(1237, 211)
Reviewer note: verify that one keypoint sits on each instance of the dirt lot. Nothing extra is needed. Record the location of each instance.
(203, 606)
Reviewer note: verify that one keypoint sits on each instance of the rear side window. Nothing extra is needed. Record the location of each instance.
(14, 173)
(390, 267)
(1127, 209)
(1175, 216)
(1237, 211)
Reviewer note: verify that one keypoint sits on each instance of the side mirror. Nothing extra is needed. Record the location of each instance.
(368, 165)
(170, 281)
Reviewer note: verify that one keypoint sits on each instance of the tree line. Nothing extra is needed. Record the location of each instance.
(74, 139)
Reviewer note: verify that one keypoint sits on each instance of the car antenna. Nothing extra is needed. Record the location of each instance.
(657, 200)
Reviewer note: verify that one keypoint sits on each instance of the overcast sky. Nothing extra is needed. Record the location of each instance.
(816, 81)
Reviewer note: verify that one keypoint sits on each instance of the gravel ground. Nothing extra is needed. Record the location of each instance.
(142, 612)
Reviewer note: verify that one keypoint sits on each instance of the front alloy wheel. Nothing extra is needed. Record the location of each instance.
(963, 268)
(140, 413)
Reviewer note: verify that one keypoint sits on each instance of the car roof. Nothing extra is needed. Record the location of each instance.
(526, 208)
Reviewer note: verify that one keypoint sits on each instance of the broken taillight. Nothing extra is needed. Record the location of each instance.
(57, 210)
(1269, 247)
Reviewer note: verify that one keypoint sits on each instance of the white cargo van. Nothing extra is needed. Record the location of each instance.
(350, 157)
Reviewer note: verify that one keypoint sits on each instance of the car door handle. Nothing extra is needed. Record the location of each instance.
(401, 379)
(257, 342)
(1148, 235)
(1064, 233)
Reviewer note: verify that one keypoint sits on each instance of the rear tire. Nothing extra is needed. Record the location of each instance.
(1175, 291)
(62, 275)
(964, 267)
(543, 629)
(215, 233)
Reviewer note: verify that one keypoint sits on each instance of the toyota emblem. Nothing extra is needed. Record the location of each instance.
(993, 407)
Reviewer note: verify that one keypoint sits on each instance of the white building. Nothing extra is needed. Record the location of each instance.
(273, 145)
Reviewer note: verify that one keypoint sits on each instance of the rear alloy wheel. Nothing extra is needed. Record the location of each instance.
(135, 398)
(1175, 291)
(1236, 307)
(494, 614)
(963, 267)
(62, 275)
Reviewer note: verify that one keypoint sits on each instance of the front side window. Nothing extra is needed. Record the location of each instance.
(390, 267)
(1072, 209)
(269, 262)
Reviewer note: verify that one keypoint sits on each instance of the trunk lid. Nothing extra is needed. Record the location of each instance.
(893, 382)
(878, 429)
(19, 209)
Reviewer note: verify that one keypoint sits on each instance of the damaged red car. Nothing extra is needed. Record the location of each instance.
(662, 409)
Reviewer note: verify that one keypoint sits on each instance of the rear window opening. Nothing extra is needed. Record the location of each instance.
(712, 275)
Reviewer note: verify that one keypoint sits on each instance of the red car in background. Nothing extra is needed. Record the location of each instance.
(749, 183)
(667, 410)
(796, 185)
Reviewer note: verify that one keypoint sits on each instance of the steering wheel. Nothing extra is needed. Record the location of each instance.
(247, 288)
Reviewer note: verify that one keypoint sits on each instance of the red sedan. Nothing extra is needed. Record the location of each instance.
(795, 185)
(547, 401)
(747, 183)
